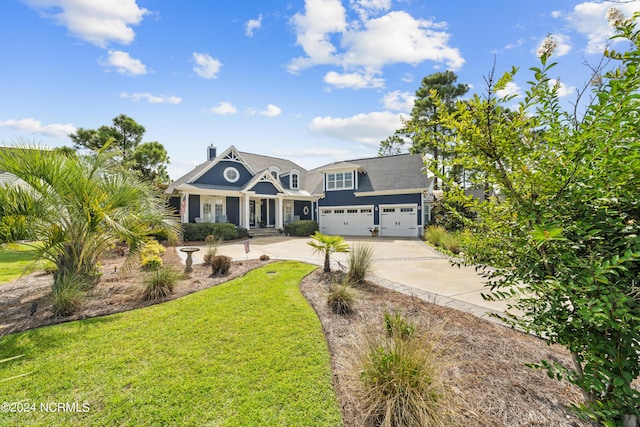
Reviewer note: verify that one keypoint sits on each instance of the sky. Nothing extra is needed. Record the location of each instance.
(314, 81)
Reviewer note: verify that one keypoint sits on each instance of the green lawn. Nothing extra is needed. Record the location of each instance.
(250, 352)
(15, 261)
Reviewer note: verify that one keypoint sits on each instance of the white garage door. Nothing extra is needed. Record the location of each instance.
(346, 221)
(399, 220)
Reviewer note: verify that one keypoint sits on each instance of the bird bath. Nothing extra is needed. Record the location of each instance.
(189, 261)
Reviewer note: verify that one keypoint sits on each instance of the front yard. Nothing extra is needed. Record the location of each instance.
(247, 352)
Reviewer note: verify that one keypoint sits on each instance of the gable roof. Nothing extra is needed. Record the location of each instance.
(378, 174)
(385, 174)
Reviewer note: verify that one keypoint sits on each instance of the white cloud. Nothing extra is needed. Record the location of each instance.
(590, 19)
(370, 44)
(510, 89)
(152, 99)
(556, 14)
(224, 108)
(561, 88)
(368, 129)
(252, 25)
(96, 21)
(125, 64)
(271, 111)
(206, 66)
(31, 125)
(353, 80)
(399, 101)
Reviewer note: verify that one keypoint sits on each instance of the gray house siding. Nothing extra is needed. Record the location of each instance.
(298, 209)
(194, 207)
(214, 176)
(265, 188)
(233, 210)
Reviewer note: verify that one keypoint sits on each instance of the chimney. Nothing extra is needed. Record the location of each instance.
(212, 152)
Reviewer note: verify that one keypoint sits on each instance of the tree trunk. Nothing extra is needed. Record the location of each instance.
(327, 263)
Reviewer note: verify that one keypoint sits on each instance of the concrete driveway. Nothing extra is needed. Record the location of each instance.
(406, 265)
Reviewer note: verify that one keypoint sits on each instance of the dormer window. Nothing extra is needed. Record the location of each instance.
(275, 172)
(340, 181)
(294, 180)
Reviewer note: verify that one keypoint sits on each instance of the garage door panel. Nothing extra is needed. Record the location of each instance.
(354, 221)
(399, 221)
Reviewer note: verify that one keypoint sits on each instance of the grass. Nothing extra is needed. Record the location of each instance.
(247, 352)
(15, 261)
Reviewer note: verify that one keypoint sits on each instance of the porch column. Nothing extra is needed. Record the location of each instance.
(245, 222)
(279, 212)
(184, 208)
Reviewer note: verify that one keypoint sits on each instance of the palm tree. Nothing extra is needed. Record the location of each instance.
(325, 244)
(78, 208)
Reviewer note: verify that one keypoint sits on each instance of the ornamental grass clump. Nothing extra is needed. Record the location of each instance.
(402, 381)
(66, 294)
(340, 299)
(360, 263)
(396, 325)
(213, 243)
(160, 283)
(435, 234)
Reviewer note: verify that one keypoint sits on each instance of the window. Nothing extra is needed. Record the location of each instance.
(219, 206)
(274, 174)
(231, 174)
(339, 211)
(406, 209)
(206, 212)
(365, 210)
(352, 210)
(340, 181)
(388, 210)
(294, 180)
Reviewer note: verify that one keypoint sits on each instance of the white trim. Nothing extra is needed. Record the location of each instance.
(388, 192)
(236, 158)
(295, 172)
(265, 177)
(352, 187)
(347, 207)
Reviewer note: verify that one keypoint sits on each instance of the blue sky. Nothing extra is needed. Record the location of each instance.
(315, 81)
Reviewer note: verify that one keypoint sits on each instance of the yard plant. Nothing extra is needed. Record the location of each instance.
(326, 245)
(78, 208)
(248, 352)
(561, 240)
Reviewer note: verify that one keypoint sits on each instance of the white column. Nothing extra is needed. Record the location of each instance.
(279, 212)
(245, 222)
(185, 211)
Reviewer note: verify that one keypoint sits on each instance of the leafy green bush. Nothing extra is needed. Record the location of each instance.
(434, 234)
(396, 325)
(302, 228)
(451, 214)
(242, 233)
(199, 232)
(402, 383)
(66, 293)
(151, 263)
(360, 262)
(340, 298)
(160, 283)
(152, 247)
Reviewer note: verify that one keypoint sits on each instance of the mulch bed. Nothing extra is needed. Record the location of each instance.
(485, 362)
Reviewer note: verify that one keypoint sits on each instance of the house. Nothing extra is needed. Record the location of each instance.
(348, 198)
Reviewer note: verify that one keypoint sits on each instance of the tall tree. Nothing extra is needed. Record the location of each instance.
(423, 130)
(561, 242)
(124, 138)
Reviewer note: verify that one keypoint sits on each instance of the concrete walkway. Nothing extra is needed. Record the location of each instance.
(405, 265)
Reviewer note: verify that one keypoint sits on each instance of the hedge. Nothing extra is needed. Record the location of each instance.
(198, 232)
(302, 228)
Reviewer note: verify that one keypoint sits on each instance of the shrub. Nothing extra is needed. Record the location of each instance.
(66, 293)
(264, 257)
(242, 233)
(451, 214)
(212, 248)
(340, 298)
(435, 234)
(396, 325)
(451, 243)
(302, 228)
(151, 263)
(360, 261)
(220, 265)
(151, 248)
(160, 283)
(199, 232)
(402, 384)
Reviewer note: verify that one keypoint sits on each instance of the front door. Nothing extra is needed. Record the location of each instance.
(252, 213)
